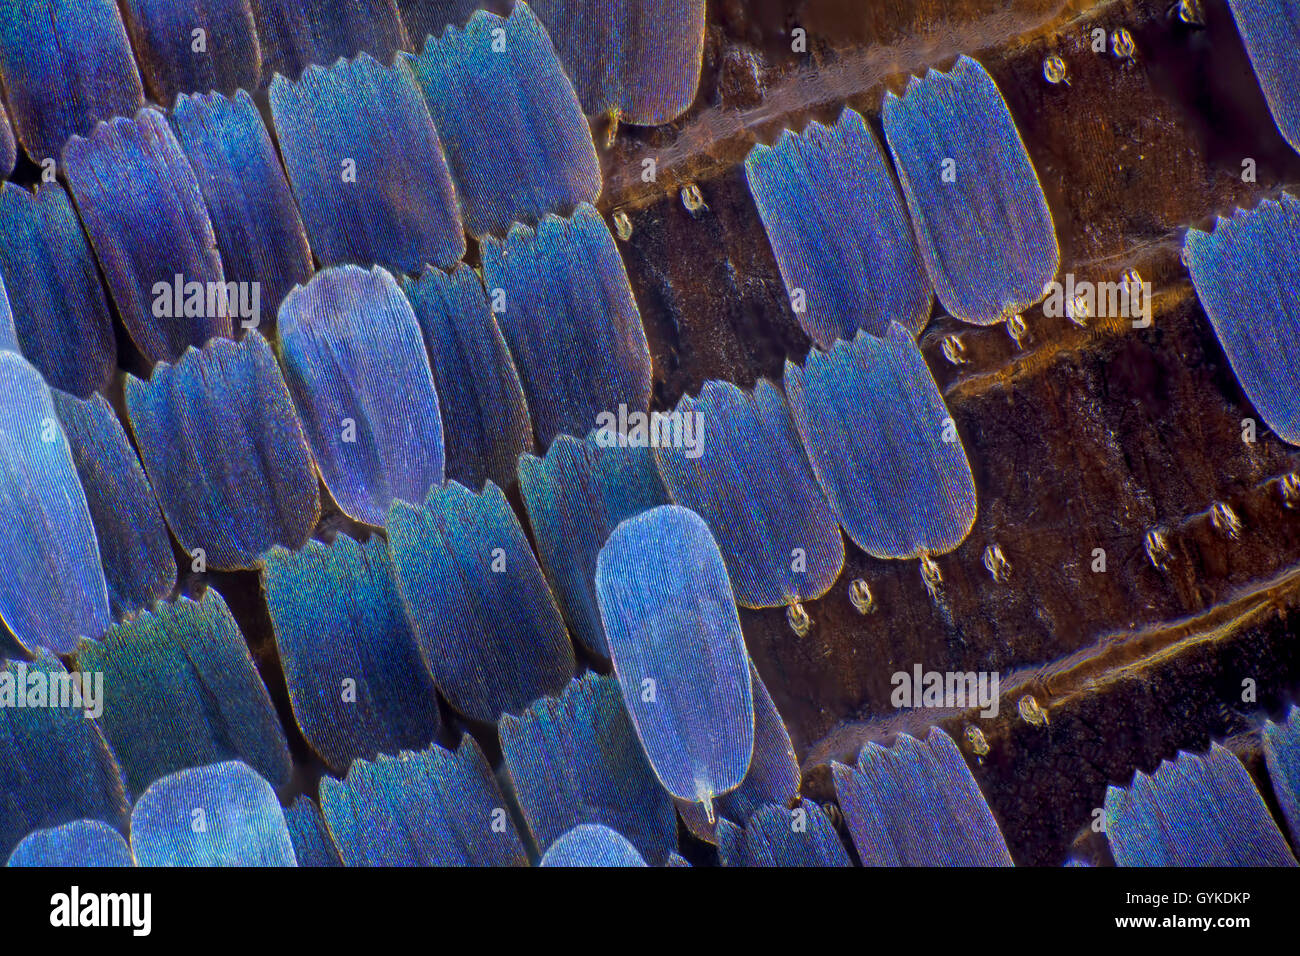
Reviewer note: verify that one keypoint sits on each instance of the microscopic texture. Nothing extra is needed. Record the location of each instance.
(576, 495)
(839, 230)
(916, 804)
(675, 642)
(181, 690)
(225, 453)
(356, 680)
(516, 140)
(639, 59)
(883, 445)
(142, 208)
(223, 814)
(355, 364)
(487, 624)
(1253, 257)
(366, 166)
(982, 222)
(568, 314)
(59, 309)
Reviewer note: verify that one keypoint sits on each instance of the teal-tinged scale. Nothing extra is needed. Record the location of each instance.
(573, 326)
(55, 765)
(8, 146)
(367, 167)
(1249, 258)
(66, 65)
(750, 480)
(52, 587)
(356, 680)
(181, 690)
(678, 653)
(517, 143)
(487, 624)
(60, 311)
(225, 452)
(134, 546)
(81, 843)
(576, 495)
(312, 844)
(1197, 810)
(259, 233)
(355, 364)
(592, 844)
(883, 445)
(576, 759)
(982, 222)
(917, 804)
(485, 423)
(431, 808)
(779, 836)
(223, 814)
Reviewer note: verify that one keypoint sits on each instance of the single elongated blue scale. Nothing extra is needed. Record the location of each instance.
(431, 808)
(181, 691)
(883, 446)
(143, 210)
(1249, 258)
(779, 836)
(52, 590)
(60, 312)
(1282, 755)
(225, 453)
(134, 546)
(639, 59)
(576, 495)
(194, 46)
(592, 844)
(294, 34)
(917, 804)
(1197, 810)
(66, 65)
(773, 776)
(79, 843)
(575, 759)
(485, 619)
(675, 642)
(356, 680)
(312, 844)
(780, 538)
(366, 166)
(55, 766)
(982, 222)
(1270, 29)
(485, 423)
(223, 814)
(840, 231)
(355, 364)
(516, 140)
(563, 300)
(259, 233)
